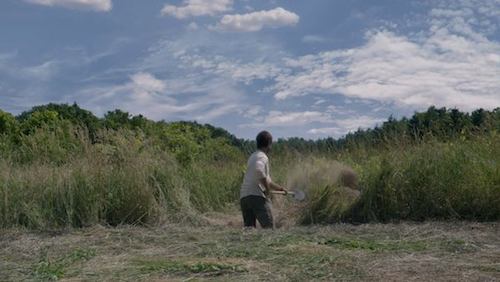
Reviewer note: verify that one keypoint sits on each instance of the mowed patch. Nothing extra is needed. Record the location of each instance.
(180, 268)
(430, 251)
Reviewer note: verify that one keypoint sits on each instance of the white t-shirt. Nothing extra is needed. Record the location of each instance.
(257, 168)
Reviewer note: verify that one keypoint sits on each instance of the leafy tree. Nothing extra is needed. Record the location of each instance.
(140, 121)
(38, 119)
(74, 114)
(190, 141)
(117, 119)
(478, 117)
(496, 118)
(8, 123)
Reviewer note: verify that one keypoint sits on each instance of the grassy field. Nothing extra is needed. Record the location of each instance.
(126, 179)
(222, 251)
(159, 204)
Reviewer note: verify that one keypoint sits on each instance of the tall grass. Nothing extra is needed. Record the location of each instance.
(453, 180)
(432, 180)
(125, 178)
(59, 178)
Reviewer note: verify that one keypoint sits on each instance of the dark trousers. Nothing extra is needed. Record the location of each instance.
(256, 208)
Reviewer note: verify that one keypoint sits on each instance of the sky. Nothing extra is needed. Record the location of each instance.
(311, 69)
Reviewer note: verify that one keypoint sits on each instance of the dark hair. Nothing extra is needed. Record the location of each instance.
(264, 139)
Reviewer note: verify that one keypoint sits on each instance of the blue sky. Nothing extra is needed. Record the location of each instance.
(297, 68)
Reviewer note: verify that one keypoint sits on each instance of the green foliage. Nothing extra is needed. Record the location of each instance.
(74, 114)
(190, 141)
(185, 141)
(8, 123)
(9, 132)
(38, 119)
(117, 119)
(61, 166)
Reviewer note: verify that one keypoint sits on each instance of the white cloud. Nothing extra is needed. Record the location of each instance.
(145, 84)
(252, 111)
(453, 64)
(41, 82)
(286, 119)
(42, 72)
(466, 16)
(96, 5)
(217, 111)
(195, 8)
(449, 63)
(192, 26)
(355, 122)
(142, 94)
(313, 39)
(335, 126)
(445, 69)
(330, 131)
(319, 102)
(246, 72)
(225, 67)
(159, 99)
(347, 124)
(256, 21)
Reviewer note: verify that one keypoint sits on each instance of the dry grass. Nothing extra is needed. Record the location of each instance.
(437, 251)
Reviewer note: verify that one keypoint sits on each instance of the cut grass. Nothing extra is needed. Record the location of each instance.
(406, 251)
(489, 268)
(455, 246)
(54, 269)
(184, 268)
(377, 246)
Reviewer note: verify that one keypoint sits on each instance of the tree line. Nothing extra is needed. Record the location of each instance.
(190, 138)
(439, 124)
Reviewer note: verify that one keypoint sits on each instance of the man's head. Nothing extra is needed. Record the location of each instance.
(264, 141)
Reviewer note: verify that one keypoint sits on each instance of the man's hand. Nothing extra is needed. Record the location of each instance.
(284, 189)
(270, 186)
(279, 188)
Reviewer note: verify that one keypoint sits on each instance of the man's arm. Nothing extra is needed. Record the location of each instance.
(271, 186)
(265, 180)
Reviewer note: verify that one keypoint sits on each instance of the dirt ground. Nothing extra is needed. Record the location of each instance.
(223, 251)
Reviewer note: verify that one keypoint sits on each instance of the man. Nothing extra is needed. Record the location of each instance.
(257, 185)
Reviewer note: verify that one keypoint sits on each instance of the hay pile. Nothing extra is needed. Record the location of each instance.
(331, 187)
